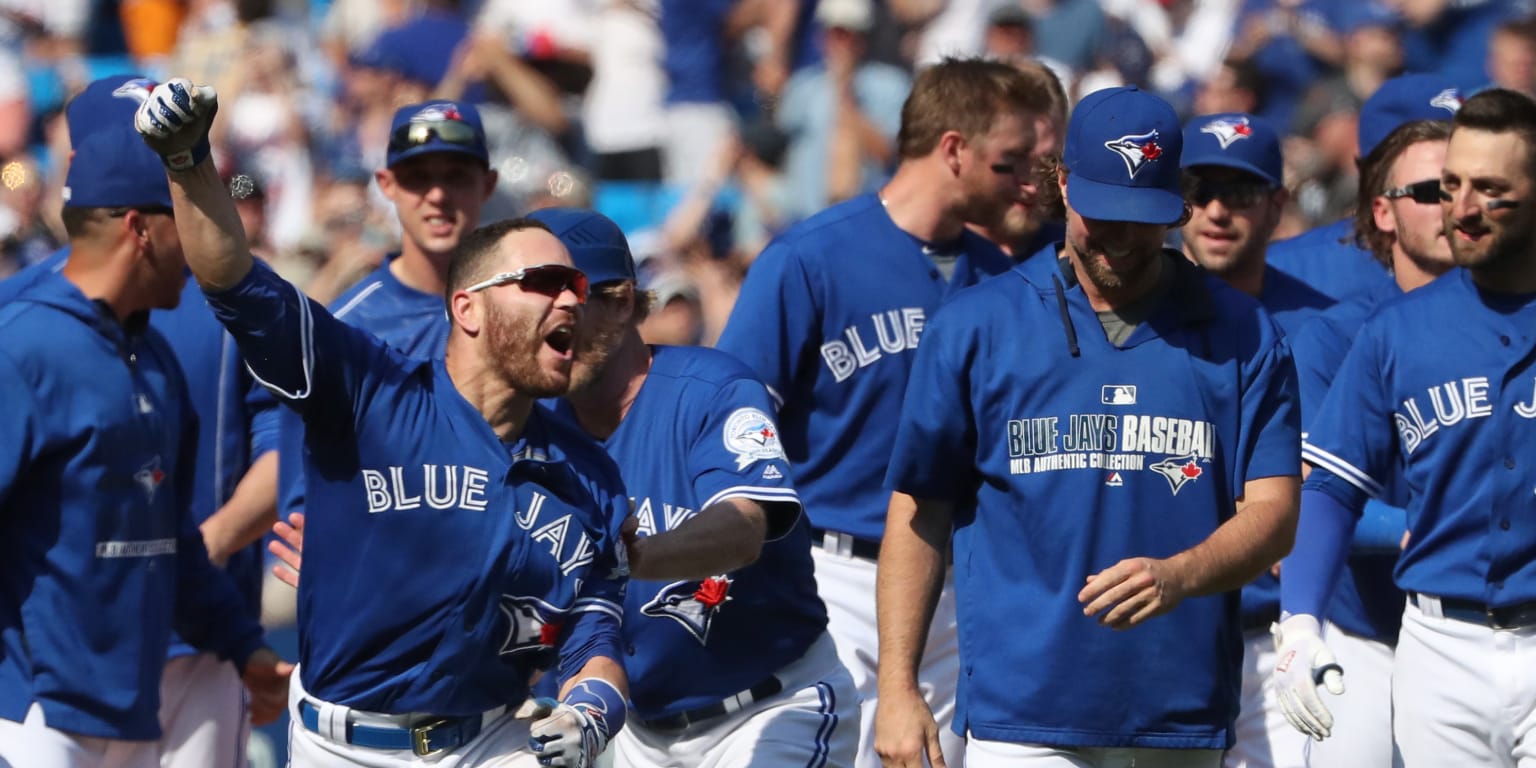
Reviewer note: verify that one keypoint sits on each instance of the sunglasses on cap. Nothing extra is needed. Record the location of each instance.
(1232, 194)
(417, 133)
(547, 279)
(1426, 192)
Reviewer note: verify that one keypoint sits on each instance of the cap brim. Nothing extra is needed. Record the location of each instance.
(1113, 202)
(436, 148)
(1223, 161)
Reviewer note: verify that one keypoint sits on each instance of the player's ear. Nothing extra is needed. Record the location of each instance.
(466, 312)
(951, 143)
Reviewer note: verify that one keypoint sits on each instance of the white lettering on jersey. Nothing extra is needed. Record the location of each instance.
(554, 534)
(672, 516)
(1449, 404)
(391, 491)
(1527, 409)
(1102, 441)
(895, 331)
(1164, 434)
(1032, 437)
(526, 519)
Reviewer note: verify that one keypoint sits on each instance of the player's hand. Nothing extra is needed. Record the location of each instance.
(634, 546)
(562, 735)
(175, 121)
(1131, 591)
(905, 732)
(1303, 663)
(266, 677)
(289, 548)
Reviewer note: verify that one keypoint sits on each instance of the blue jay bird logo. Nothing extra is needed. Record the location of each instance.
(1138, 150)
(533, 628)
(691, 604)
(149, 477)
(1228, 131)
(1179, 471)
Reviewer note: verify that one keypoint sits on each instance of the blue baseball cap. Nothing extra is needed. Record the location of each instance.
(1122, 157)
(1403, 100)
(597, 245)
(436, 126)
(114, 168)
(1235, 140)
(105, 103)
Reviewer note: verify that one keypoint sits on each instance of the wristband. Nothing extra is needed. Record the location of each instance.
(601, 701)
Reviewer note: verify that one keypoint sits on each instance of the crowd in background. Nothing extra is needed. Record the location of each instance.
(703, 127)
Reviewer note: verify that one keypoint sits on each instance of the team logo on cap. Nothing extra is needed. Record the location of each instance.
(691, 604)
(1137, 150)
(1228, 131)
(1180, 471)
(438, 113)
(1448, 100)
(136, 89)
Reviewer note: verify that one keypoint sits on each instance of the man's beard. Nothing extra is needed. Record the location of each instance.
(594, 350)
(514, 347)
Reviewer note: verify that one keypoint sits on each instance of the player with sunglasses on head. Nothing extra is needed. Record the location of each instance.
(1232, 181)
(464, 536)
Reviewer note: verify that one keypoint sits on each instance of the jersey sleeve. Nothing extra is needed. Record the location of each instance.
(1271, 418)
(1316, 349)
(596, 623)
(771, 328)
(264, 416)
(1353, 440)
(737, 454)
(18, 427)
(934, 455)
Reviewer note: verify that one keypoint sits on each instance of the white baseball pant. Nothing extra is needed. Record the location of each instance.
(980, 753)
(1362, 717)
(204, 717)
(32, 744)
(1463, 693)
(847, 586)
(502, 742)
(814, 722)
(1263, 738)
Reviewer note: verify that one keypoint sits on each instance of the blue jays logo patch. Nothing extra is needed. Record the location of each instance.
(1137, 150)
(1228, 131)
(691, 604)
(1179, 471)
(1448, 100)
(752, 436)
(437, 113)
(149, 477)
(136, 89)
(533, 628)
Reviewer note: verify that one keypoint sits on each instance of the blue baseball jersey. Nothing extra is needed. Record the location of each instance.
(442, 566)
(1439, 386)
(409, 320)
(1366, 602)
(828, 318)
(1060, 465)
(700, 432)
(1327, 259)
(100, 556)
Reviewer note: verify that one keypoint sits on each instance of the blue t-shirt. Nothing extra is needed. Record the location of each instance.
(828, 318)
(100, 557)
(442, 566)
(1061, 464)
(700, 432)
(1327, 259)
(1439, 388)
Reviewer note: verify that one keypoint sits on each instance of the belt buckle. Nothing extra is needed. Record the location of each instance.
(421, 738)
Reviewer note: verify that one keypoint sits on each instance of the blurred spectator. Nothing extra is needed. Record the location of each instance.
(1071, 32)
(1512, 57)
(151, 27)
(942, 27)
(45, 31)
(623, 117)
(699, 120)
(1291, 43)
(350, 26)
(1200, 31)
(1009, 35)
(24, 236)
(1451, 37)
(15, 106)
(1373, 52)
(1236, 87)
(840, 116)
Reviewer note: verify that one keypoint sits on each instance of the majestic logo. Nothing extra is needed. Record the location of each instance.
(772, 472)
(1179, 471)
(149, 477)
(533, 628)
(1137, 150)
(691, 604)
(751, 435)
(1118, 394)
(136, 89)
(1114, 480)
(1448, 100)
(1228, 130)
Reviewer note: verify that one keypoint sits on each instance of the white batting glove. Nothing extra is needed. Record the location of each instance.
(1304, 663)
(175, 121)
(568, 736)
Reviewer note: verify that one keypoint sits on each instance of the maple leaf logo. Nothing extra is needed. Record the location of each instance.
(1179, 471)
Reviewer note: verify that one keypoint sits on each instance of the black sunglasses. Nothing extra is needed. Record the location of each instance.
(1233, 194)
(417, 133)
(1426, 192)
(546, 279)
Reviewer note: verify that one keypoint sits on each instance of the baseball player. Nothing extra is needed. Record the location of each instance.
(1327, 257)
(1435, 396)
(1233, 172)
(1025, 229)
(1132, 455)
(405, 666)
(729, 660)
(102, 557)
(1401, 225)
(830, 314)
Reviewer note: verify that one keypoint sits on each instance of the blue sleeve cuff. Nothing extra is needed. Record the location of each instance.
(1308, 575)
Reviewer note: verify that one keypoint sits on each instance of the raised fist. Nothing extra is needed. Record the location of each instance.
(175, 120)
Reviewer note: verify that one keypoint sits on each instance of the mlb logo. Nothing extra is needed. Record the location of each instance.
(1118, 394)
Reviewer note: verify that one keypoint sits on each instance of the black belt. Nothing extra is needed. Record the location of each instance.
(864, 549)
(682, 720)
(430, 738)
(1506, 617)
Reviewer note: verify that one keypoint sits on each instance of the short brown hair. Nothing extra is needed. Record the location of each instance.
(1500, 110)
(1376, 176)
(1044, 93)
(470, 261)
(962, 95)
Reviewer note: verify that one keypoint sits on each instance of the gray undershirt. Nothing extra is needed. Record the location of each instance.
(1121, 322)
